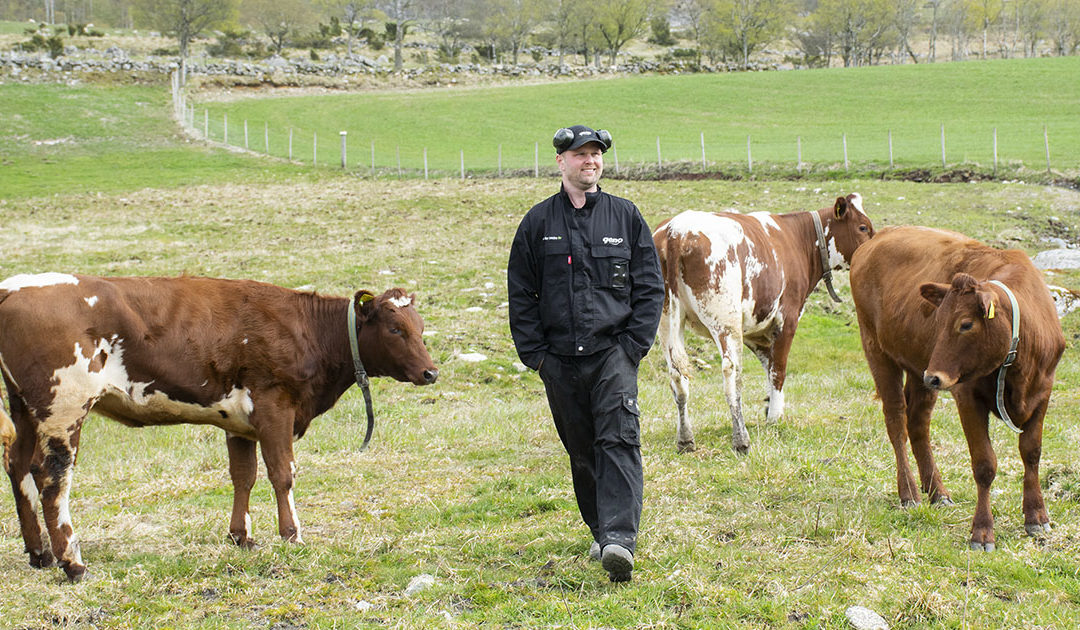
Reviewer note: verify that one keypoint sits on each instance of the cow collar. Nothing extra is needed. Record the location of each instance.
(826, 272)
(361, 374)
(1009, 358)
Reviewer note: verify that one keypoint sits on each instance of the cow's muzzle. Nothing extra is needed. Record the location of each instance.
(430, 376)
(937, 381)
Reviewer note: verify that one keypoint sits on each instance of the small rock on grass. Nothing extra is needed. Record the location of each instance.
(419, 583)
(865, 619)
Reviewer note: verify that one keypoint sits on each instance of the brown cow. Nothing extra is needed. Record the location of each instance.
(744, 278)
(930, 307)
(256, 360)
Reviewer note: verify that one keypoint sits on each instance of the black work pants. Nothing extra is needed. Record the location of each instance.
(594, 403)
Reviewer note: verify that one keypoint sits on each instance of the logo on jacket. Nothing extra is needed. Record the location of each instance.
(552, 238)
(612, 240)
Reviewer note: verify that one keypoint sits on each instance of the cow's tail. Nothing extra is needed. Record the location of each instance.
(7, 433)
(7, 427)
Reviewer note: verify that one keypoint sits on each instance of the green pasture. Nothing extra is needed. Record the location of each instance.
(779, 111)
(466, 480)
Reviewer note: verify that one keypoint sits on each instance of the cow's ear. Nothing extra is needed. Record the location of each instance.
(986, 301)
(366, 300)
(840, 208)
(934, 293)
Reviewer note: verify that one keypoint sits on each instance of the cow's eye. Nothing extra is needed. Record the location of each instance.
(966, 326)
(863, 228)
(395, 331)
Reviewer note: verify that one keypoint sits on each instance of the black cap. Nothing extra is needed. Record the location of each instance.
(569, 138)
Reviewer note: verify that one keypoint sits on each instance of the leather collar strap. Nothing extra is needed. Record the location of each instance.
(1009, 358)
(826, 272)
(361, 374)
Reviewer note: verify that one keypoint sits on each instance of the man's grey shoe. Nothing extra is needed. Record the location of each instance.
(594, 551)
(618, 562)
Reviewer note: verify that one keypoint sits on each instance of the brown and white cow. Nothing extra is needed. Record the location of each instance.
(743, 279)
(930, 310)
(256, 360)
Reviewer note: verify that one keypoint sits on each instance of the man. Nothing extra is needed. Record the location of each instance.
(585, 295)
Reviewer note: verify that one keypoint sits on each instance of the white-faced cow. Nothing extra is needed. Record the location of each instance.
(743, 279)
(949, 313)
(254, 359)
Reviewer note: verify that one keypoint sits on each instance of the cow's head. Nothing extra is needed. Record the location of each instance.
(391, 337)
(973, 327)
(846, 227)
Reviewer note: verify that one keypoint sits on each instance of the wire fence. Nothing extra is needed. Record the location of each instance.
(801, 154)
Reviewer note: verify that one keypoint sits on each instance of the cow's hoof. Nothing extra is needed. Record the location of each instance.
(1037, 529)
(978, 546)
(42, 560)
(741, 449)
(908, 503)
(942, 501)
(686, 447)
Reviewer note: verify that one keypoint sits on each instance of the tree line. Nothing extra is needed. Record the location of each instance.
(731, 32)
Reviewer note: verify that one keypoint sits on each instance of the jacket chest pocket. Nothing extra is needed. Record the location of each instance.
(613, 265)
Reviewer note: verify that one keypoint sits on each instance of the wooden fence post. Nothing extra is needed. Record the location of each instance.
(266, 137)
(703, 151)
(343, 135)
(462, 164)
(749, 157)
(1046, 143)
(245, 134)
(659, 160)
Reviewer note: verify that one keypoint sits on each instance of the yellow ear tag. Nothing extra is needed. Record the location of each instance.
(367, 297)
(990, 313)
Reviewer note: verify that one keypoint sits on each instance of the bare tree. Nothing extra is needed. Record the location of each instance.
(184, 19)
(755, 23)
(402, 14)
(935, 16)
(620, 21)
(350, 14)
(905, 20)
(1063, 26)
(693, 13)
(511, 21)
(278, 19)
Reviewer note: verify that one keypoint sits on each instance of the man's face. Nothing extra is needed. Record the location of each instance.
(581, 167)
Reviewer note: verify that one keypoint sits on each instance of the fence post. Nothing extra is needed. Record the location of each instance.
(397, 151)
(703, 151)
(942, 145)
(659, 160)
(536, 159)
(798, 154)
(266, 137)
(245, 134)
(462, 164)
(890, 149)
(343, 135)
(615, 153)
(845, 151)
(749, 157)
(373, 157)
(1046, 143)
(995, 151)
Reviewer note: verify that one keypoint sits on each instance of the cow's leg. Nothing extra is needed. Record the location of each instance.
(920, 404)
(671, 338)
(60, 442)
(774, 361)
(888, 381)
(973, 418)
(26, 478)
(277, 453)
(1036, 518)
(730, 346)
(243, 467)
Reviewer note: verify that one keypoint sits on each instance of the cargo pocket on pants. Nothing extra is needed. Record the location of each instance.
(630, 429)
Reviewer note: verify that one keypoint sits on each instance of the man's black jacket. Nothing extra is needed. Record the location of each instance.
(581, 280)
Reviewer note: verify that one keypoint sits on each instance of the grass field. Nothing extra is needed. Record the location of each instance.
(466, 480)
(1016, 97)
